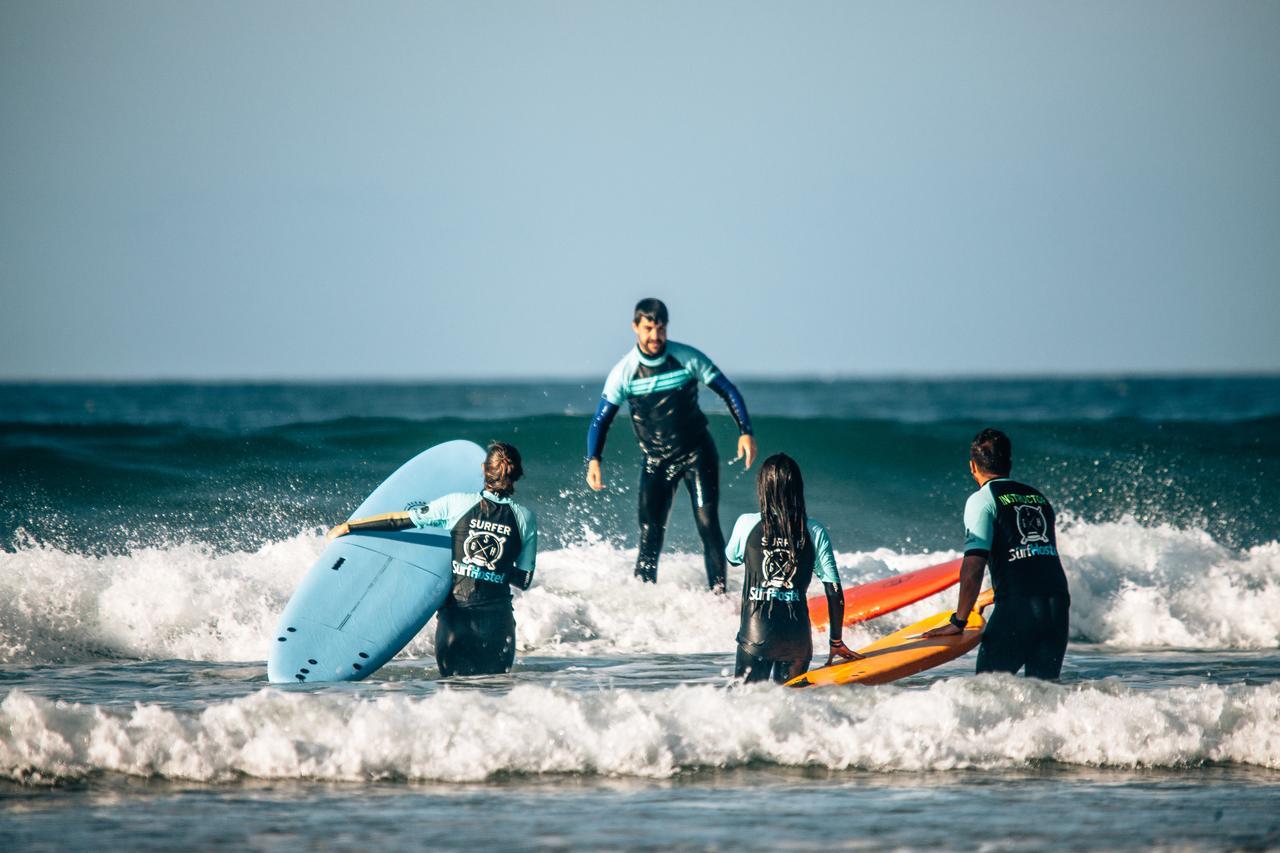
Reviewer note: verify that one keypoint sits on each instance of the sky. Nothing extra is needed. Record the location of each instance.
(434, 191)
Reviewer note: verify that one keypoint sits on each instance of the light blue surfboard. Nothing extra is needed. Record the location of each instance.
(370, 593)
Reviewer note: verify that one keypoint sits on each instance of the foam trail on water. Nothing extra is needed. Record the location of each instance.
(1132, 586)
(986, 722)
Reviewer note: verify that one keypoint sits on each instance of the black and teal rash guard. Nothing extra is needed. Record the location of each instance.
(663, 392)
(775, 609)
(495, 544)
(1013, 525)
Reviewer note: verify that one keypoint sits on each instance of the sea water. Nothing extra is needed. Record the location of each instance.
(151, 534)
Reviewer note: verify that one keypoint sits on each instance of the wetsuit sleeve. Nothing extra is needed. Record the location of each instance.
(979, 523)
(733, 399)
(824, 560)
(386, 521)
(444, 511)
(735, 551)
(527, 522)
(613, 395)
(835, 610)
(697, 363)
(600, 428)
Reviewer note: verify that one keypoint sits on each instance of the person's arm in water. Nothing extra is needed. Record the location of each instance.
(824, 566)
(979, 529)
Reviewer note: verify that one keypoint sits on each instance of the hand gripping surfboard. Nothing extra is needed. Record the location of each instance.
(904, 652)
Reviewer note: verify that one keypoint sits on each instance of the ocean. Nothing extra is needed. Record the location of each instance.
(150, 535)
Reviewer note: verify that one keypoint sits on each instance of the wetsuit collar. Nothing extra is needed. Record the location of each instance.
(498, 499)
(652, 361)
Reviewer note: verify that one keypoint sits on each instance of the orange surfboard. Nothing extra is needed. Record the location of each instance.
(869, 600)
(904, 652)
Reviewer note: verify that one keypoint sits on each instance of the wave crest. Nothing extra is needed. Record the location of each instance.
(987, 722)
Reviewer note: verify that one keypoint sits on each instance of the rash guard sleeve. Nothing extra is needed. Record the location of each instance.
(733, 399)
(824, 560)
(735, 552)
(444, 511)
(694, 360)
(979, 523)
(599, 428)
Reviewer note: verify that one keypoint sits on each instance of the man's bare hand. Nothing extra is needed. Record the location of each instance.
(338, 530)
(746, 450)
(840, 650)
(595, 475)
(947, 630)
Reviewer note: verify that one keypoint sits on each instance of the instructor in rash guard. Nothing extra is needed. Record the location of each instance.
(1011, 524)
(660, 380)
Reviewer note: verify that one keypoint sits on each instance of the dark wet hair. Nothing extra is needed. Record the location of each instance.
(781, 489)
(992, 452)
(653, 310)
(502, 467)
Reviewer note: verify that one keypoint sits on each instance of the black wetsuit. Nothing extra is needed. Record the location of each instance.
(672, 432)
(1012, 524)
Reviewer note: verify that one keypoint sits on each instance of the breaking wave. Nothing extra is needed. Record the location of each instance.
(1133, 586)
(988, 722)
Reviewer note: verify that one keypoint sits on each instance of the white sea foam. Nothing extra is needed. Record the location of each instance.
(986, 722)
(1132, 586)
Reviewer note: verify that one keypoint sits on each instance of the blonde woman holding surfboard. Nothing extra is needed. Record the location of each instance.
(781, 549)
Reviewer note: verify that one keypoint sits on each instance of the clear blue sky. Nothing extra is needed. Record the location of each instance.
(422, 190)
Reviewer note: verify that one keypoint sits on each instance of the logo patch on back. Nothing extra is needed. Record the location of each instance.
(778, 567)
(1031, 524)
(483, 548)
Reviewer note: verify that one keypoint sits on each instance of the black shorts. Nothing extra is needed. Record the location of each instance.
(1028, 631)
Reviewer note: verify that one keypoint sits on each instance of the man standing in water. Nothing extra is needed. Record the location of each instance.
(1011, 524)
(660, 379)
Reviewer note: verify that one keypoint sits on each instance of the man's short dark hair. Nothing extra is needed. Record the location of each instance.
(652, 310)
(992, 452)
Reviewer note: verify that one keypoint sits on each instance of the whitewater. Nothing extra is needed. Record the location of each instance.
(1132, 587)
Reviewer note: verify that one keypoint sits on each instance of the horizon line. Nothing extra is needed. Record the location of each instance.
(904, 376)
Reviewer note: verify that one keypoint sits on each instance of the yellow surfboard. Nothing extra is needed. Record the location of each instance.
(904, 652)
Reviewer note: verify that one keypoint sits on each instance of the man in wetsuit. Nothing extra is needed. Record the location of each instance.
(660, 380)
(1011, 525)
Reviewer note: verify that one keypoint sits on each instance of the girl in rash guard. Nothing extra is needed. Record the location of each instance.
(495, 541)
(782, 549)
